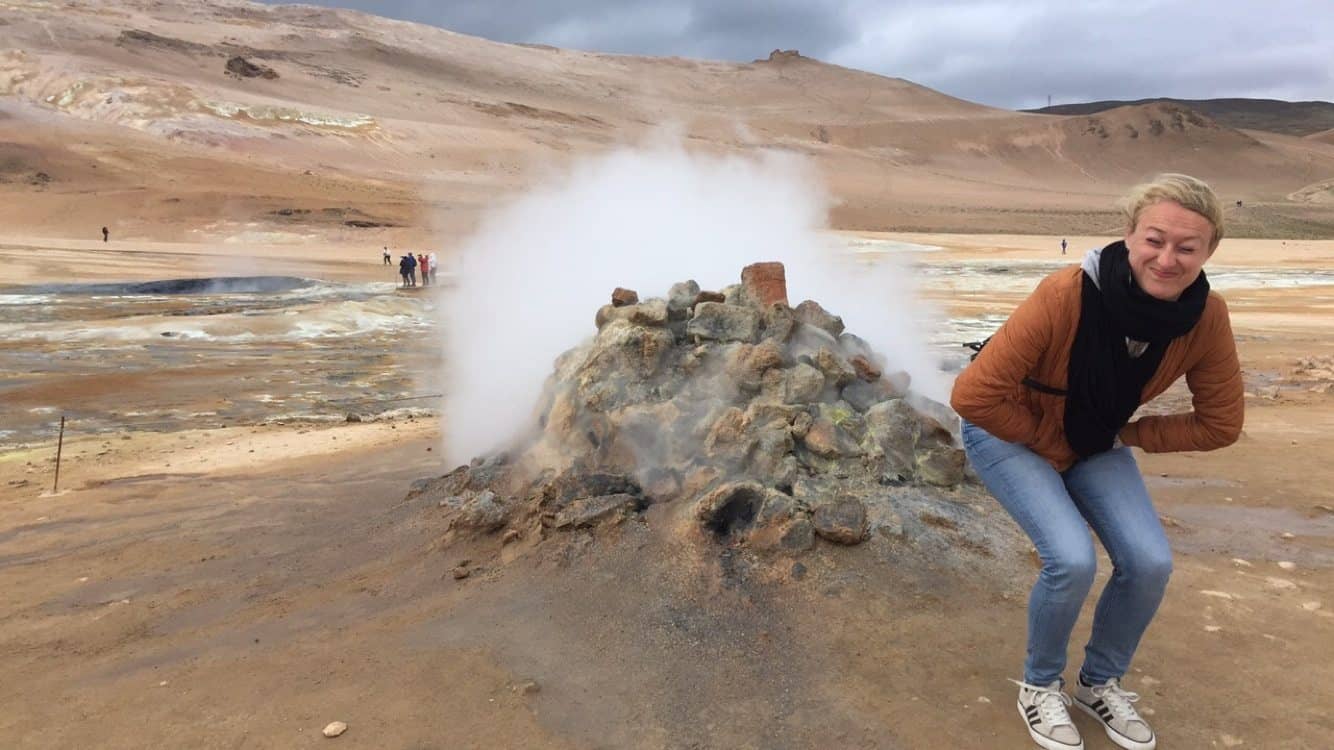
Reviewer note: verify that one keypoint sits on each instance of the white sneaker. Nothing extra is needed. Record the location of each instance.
(1112, 706)
(1043, 711)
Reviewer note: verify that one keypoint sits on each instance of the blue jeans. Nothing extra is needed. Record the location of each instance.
(1056, 510)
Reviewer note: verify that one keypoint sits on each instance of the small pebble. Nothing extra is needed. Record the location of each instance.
(1287, 565)
(1288, 535)
(460, 573)
(1310, 606)
(983, 699)
(527, 687)
(1242, 563)
(334, 729)
(1212, 628)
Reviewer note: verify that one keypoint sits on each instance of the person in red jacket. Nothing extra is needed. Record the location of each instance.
(425, 266)
(1046, 422)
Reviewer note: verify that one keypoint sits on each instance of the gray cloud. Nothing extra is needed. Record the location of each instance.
(1004, 53)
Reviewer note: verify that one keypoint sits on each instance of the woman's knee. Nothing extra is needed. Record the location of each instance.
(1150, 566)
(1071, 567)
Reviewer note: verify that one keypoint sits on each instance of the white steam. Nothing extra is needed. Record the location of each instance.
(532, 277)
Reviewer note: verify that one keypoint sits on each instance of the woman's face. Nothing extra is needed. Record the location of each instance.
(1168, 247)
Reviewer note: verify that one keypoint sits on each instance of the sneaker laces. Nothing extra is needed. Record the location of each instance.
(1051, 703)
(1118, 699)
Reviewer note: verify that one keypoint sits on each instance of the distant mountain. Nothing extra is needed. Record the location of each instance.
(1272, 115)
(238, 121)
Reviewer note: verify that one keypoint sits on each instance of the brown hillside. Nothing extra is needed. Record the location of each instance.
(160, 119)
(1271, 115)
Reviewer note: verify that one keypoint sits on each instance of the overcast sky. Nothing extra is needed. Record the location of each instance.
(1003, 53)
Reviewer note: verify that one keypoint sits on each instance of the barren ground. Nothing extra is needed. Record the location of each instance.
(183, 591)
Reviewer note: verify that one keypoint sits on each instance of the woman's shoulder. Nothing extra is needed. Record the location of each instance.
(1061, 283)
(1215, 313)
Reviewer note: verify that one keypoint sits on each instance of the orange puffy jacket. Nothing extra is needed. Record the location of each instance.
(1035, 343)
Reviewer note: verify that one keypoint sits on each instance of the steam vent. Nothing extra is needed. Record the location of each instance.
(735, 418)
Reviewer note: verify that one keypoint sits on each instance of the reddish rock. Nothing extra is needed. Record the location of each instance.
(765, 283)
(621, 297)
(842, 522)
(865, 370)
(708, 297)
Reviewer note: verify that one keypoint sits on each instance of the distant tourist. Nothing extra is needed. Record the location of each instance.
(435, 267)
(1046, 422)
(405, 269)
(106, 234)
(1062, 246)
(387, 261)
(412, 270)
(425, 267)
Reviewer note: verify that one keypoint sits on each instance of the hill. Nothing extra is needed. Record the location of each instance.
(1272, 115)
(243, 122)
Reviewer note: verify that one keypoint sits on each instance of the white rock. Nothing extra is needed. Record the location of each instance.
(1218, 594)
(1280, 583)
(1311, 606)
(1230, 741)
(1288, 535)
(1242, 563)
(334, 729)
(983, 699)
(1212, 628)
(1286, 565)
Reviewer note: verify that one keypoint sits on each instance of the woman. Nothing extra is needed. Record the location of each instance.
(1046, 410)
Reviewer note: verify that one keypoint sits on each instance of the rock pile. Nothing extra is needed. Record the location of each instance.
(765, 425)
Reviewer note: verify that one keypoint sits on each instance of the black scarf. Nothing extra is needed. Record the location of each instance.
(1105, 382)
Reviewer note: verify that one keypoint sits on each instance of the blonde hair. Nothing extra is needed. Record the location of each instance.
(1188, 192)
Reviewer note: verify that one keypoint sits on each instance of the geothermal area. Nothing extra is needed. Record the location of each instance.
(662, 458)
(756, 426)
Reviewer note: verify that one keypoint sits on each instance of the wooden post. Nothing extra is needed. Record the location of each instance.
(60, 447)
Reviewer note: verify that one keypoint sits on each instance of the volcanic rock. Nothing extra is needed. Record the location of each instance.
(812, 314)
(765, 283)
(842, 521)
(243, 68)
(760, 427)
(681, 299)
(718, 321)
